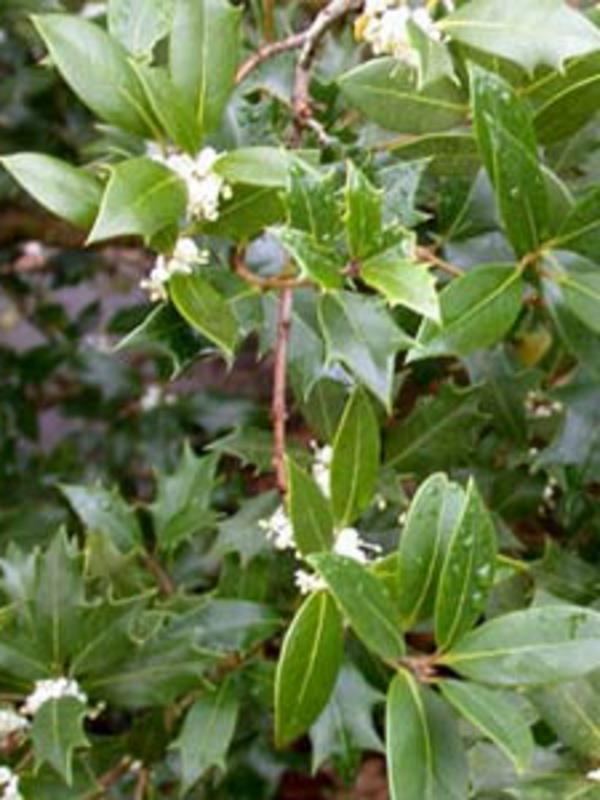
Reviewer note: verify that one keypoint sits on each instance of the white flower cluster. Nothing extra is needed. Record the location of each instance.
(549, 497)
(384, 25)
(185, 255)
(205, 187)
(321, 469)
(594, 775)
(9, 784)
(155, 396)
(51, 689)
(11, 722)
(539, 406)
(278, 530)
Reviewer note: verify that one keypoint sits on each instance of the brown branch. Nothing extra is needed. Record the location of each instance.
(268, 51)
(430, 257)
(333, 11)
(269, 19)
(162, 578)
(275, 282)
(110, 778)
(278, 406)
(142, 784)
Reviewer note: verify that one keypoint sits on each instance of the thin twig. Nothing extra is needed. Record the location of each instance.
(269, 19)
(430, 257)
(268, 51)
(332, 12)
(274, 282)
(110, 778)
(278, 406)
(143, 782)
(158, 572)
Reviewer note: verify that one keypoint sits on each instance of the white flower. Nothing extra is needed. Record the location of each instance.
(422, 18)
(594, 775)
(9, 783)
(185, 255)
(384, 25)
(11, 722)
(278, 529)
(348, 543)
(93, 10)
(321, 469)
(373, 7)
(52, 689)
(99, 341)
(205, 187)
(151, 398)
(307, 582)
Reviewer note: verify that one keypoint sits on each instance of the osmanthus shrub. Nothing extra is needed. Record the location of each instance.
(402, 205)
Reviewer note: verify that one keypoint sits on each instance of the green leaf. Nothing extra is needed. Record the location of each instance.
(508, 148)
(364, 601)
(308, 666)
(403, 282)
(576, 336)
(581, 229)
(386, 91)
(566, 100)
(106, 635)
(363, 213)
(169, 107)
(164, 332)
(539, 645)
(142, 198)
(495, 716)
(56, 731)
(435, 62)
(139, 24)
(250, 210)
(449, 154)
(425, 755)
(312, 202)
(360, 333)
(478, 309)
(167, 665)
(207, 733)
(400, 183)
(256, 166)
(181, 507)
(57, 601)
(203, 55)
(355, 461)
(346, 727)
(572, 710)
(468, 571)
(104, 511)
(324, 407)
(310, 512)
(438, 434)
(316, 261)
(241, 533)
(205, 309)
(579, 281)
(224, 626)
(541, 32)
(253, 446)
(97, 69)
(430, 521)
(67, 191)
(577, 440)
(503, 389)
